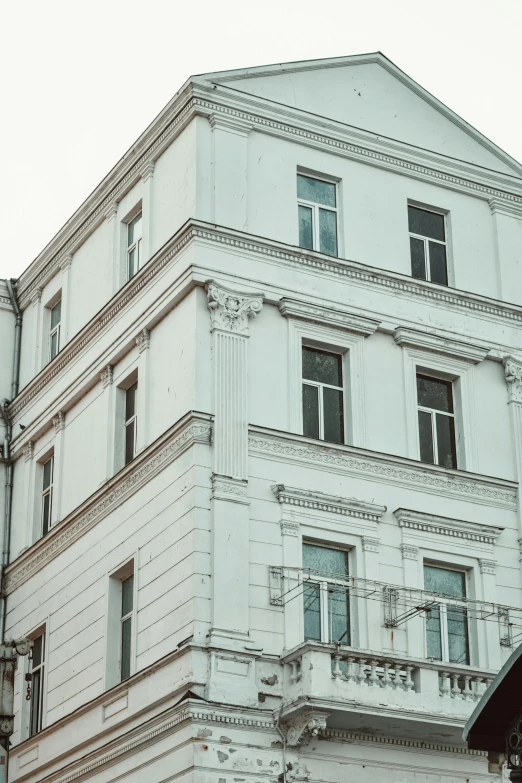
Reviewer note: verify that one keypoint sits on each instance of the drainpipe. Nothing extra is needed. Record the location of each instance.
(18, 337)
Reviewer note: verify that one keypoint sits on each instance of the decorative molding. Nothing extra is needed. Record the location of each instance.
(318, 501)
(513, 373)
(458, 349)
(454, 528)
(106, 376)
(352, 736)
(28, 451)
(65, 263)
(370, 544)
(409, 552)
(289, 527)
(230, 310)
(234, 124)
(226, 488)
(36, 296)
(387, 468)
(305, 725)
(487, 566)
(59, 422)
(192, 429)
(326, 316)
(143, 340)
(111, 211)
(148, 170)
(505, 207)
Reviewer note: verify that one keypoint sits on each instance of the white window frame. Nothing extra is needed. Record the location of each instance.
(123, 619)
(443, 602)
(433, 412)
(113, 637)
(47, 491)
(427, 240)
(132, 421)
(323, 581)
(315, 210)
(56, 330)
(320, 386)
(136, 245)
(25, 669)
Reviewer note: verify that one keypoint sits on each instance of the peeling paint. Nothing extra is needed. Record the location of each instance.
(202, 733)
(270, 680)
(222, 756)
(225, 740)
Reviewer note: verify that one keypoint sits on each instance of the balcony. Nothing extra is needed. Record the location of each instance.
(394, 695)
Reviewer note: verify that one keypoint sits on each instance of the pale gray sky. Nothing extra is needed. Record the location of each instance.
(81, 81)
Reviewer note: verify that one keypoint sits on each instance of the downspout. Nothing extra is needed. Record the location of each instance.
(18, 337)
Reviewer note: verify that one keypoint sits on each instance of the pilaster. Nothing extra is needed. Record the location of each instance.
(65, 328)
(230, 149)
(142, 435)
(113, 227)
(30, 494)
(513, 375)
(373, 609)
(59, 429)
(146, 174)
(488, 640)
(106, 378)
(36, 302)
(415, 630)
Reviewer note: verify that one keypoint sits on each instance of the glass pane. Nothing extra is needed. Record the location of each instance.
(447, 452)
(47, 473)
(426, 438)
(312, 612)
(126, 641)
(427, 224)
(130, 437)
(333, 418)
(433, 640)
(322, 367)
(38, 649)
(56, 314)
(54, 344)
(328, 232)
(434, 393)
(418, 262)
(323, 561)
(445, 581)
(46, 513)
(316, 190)
(127, 590)
(438, 271)
(338, 614)
(134, 230)
(306, 234)
(130, 401)
(133, 266)
(458, 646)
(36, 687)
(310, 411)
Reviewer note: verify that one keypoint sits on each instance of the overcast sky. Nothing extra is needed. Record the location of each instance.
(81, 81)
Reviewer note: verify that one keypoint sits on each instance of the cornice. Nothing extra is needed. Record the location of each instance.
(385, 468)
(453, 528)
(351, 736)
(461, 349)
(339, 319)
(318, 501)
(192, 428)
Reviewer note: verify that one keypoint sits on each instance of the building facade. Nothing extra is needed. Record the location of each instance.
(266, 446)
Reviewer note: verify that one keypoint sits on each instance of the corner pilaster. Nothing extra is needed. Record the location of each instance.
(230, 150)
(513, 375)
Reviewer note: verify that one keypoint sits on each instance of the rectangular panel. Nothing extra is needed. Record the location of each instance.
(435, 393)
(425, 223)
(322, 366)
(433, 637)
(418, 259)
(324, 561)
(438, 266)
(127, 595)
(56, 314)
(339, 614)
(312, 612)
(328, 232)
(126, 646)
(445, 581)
(130, 401)
(310, 411)
(306, 234)
(316, 190)
(333, 417)
(446, 448)
(458, 644)
(130, 440)
(426, 438)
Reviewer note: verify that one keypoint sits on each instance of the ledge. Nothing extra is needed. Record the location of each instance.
(455, 528)
(318, 501)
(386, 468)
(460, 349)
(339, 319)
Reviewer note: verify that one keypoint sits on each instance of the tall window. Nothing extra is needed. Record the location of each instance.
(317, 206)
(130, 422)
(447, 626)
(323, 403)
(436, 421)
(325, 595)
(47, 494)
(127, 606)
(428, 245)
(54, 332)
(36, 676)
(134, 237)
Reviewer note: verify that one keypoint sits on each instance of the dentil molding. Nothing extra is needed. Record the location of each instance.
(458, 349)
(453, 528)
(230, 310)
(318, 501)
(326, 316)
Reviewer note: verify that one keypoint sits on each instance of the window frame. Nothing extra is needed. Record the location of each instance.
(54, 330)
(321, 386)
(444, 602)
(132, 421)
(128, 617)
(114, 632)
(433, 417)
(426, 240)
(315, 207)
(135, 245)
(324, 581)
(47, 491)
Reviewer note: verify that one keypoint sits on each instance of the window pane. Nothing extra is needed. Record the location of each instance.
(418, 262)
(426, 438)
(323, 561)
(338, 614)
(36, 687)
(445, 581)
(133, 266)
(328, 232)
(322, 367)
(130, 433)
(447, 452)
(458, 646)
(134, 230)
(126, 641)
(312, 612)
(434, 393)
(333, 418)
(127, 590)
(46, 513)
(47, 473)
(438, 271)
(427, 224)
(56, 314)
(54, 344)
(130, 401)
(316, 190)
(433, 640)
(310, 411)
(38, 649)
(306, 234)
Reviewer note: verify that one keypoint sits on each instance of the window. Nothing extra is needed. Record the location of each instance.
(428, 245)
(127, 606)
(130, 422)
(447, 625)
(36, 677)
(134, 237)
(317, 207)
(323, 404)
(47, 494)
(54, 333)
(325, 595)
(436, 421)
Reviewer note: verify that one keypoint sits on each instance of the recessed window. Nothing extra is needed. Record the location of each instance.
(127, 608)
(134, 239)
(428, 245)
(55, 327)
(436, 421)
(317, 207)
(36, 678)
(47, 494)
(447, 637)
(325, 594)
(131, 422)
(323, 399)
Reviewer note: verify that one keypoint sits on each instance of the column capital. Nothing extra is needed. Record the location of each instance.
(370, 544)
(66, 262)
(409, 552)
(230, 310)
(513, 373)
(487, 566)
(111, 210)
(28, 451)
(59, 422)
(106, 376)
(143, 340)
(36, 296)
(147, 170)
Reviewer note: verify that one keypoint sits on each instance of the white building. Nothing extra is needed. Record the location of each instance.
(267, 444)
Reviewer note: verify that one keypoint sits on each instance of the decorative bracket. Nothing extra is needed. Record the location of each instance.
(303, 727)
